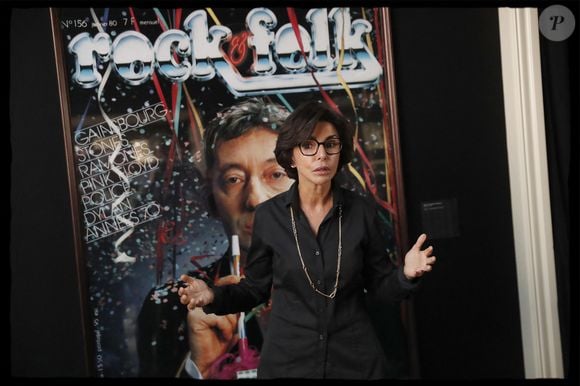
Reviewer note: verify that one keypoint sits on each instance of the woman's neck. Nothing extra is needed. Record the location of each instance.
(315, 196)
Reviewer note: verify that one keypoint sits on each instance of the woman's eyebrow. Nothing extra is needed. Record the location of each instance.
(327, 138)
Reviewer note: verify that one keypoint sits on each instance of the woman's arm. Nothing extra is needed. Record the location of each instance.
(251, 291)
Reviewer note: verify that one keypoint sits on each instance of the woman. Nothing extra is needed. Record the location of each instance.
(315, 249)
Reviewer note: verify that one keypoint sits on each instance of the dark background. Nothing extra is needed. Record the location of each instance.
(453, 146)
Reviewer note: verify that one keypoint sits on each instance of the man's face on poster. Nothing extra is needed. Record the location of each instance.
(245, 174)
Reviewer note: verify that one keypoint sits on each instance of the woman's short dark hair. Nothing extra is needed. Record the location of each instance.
(299, 127)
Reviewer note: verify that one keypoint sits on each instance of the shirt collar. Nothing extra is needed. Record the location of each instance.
(293, 199)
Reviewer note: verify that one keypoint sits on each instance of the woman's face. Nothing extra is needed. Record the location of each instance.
(321, 167)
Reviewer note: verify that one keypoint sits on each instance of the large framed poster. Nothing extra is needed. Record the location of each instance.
(146, 96)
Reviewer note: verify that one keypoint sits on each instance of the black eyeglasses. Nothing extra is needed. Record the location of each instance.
(310, 146)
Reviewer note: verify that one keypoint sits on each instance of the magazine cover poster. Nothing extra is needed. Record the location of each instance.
(140, 89)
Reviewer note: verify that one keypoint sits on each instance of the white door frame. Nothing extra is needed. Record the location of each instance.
(530, 195)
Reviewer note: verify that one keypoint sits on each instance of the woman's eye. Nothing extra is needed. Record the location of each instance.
(332, 144)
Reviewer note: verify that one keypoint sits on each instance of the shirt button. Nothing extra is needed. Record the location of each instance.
(321, 337)
(318, 282)
(317, 252)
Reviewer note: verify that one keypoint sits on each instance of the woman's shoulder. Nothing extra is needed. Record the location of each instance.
(361, 206)
(357, 200)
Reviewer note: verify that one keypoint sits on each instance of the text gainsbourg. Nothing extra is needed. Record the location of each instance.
(278, 64)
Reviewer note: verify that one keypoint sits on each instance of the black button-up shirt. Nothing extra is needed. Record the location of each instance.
(309, 335)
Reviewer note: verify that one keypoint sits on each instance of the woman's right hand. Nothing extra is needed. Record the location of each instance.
(195, 294)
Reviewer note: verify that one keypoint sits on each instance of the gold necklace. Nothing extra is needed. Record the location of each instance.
(333, 293)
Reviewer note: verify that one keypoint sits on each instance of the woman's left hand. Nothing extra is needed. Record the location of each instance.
(418, 261)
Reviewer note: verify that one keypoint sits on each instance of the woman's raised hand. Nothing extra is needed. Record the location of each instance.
(195, 293)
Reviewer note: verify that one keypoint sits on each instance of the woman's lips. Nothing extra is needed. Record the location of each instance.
(322, 170)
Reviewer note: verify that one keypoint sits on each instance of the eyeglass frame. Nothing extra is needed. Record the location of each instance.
(318, 146)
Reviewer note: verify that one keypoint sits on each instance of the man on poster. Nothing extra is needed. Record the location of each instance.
(241, 173)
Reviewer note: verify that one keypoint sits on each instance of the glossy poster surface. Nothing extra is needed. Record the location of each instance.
(138, 89)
